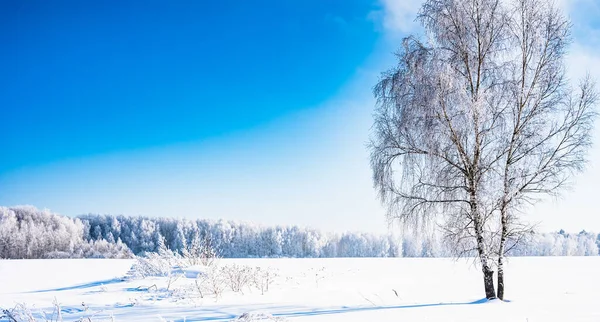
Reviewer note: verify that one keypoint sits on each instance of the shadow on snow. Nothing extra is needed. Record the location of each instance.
(315, 312)
(81, 286)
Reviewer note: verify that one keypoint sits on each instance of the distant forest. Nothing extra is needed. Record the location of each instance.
(27, 232)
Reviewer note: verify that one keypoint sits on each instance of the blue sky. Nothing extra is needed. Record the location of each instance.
(96, 77)
(239, 110)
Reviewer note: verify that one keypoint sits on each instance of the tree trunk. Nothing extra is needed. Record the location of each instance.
(488, 275)
(501, 250)
(488, 282)
(482, 251)
(501, 277)
(503, 236)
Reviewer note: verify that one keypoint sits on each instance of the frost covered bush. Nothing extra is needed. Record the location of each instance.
(198, 252)
(216, 279)
(22, 313)
(151, 265)
(258, 317)
(197, 262)
(238, 276)
(166, 262)
(264, 277)
(161, 263)
(319, 274)
(212, 281)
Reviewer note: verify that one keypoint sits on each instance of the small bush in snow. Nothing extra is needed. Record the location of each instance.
(238, 276)
(258, 317)
(22, 313)
(319, 274)
(199, 252)
(213, 281)
(152, 264)
(161, 263)
(263, 277)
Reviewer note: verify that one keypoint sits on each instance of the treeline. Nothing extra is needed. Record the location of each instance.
(559, 244)
(234, 239)
(26, 232)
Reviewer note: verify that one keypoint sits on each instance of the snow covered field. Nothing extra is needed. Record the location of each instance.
(394, 289)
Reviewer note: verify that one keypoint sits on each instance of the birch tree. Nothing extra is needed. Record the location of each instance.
(476, 118)
(548, 123)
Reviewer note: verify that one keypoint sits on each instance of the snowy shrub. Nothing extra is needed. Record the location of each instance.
(161, 263)
(166, 262)
(238, 276)
(263, 277)
(319, 274)
(22, 313)
(258, 317)
(213, 282)
(199, 252)
(235, 277)
(151, 265)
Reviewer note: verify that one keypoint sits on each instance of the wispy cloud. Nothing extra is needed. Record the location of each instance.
(397, 18)
(396, 15)
(584, 54)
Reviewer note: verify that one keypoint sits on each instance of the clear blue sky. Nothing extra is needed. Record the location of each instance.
(249, 110)
(91, 77)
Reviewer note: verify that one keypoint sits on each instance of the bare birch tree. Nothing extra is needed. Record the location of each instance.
(548, 124)
(444, 147)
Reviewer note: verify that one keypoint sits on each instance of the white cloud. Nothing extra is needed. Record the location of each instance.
(582, 60)
(397, 15)
(584, 54)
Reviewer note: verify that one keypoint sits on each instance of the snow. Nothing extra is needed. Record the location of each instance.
(367, 289)
(190, 272)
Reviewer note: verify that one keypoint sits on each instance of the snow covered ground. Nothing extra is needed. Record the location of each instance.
(394, 289)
